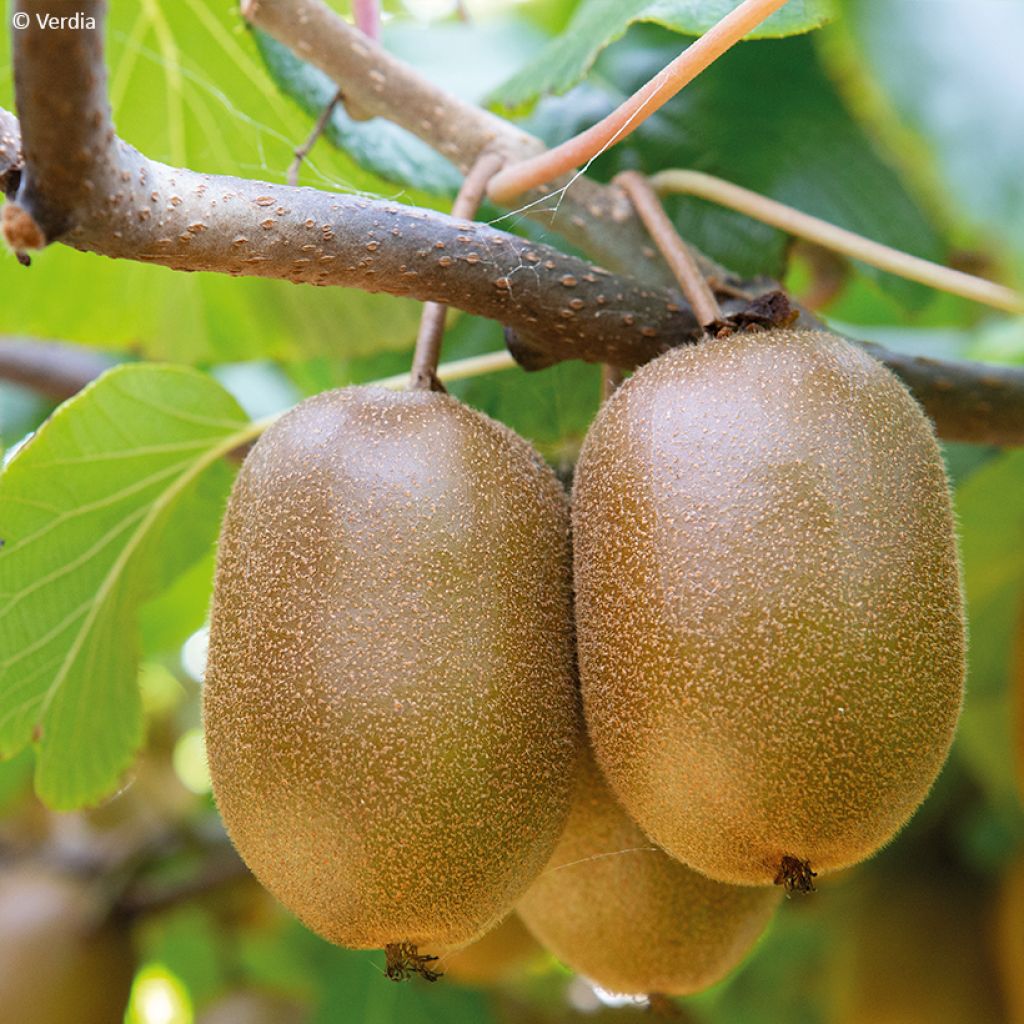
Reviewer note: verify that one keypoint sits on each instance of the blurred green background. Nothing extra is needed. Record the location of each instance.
(899, 119)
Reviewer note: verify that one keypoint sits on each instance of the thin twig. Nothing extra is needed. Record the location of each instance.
(223, 868)
(671, 246)
(611, 378)
(803, 225)
(431, 332)
(367, 17)
(625, 119)
(303, 151)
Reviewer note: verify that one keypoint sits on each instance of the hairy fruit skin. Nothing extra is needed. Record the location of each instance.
(390, 710)
(625, 914)
(769, 608)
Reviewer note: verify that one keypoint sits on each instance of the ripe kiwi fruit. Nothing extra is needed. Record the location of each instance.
(390, 704)
(506, 952)
(59, 959)
(769, 610)
(615, 908)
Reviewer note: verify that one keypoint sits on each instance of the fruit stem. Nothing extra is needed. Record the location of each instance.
(675, 251)
(625, 119)
(404, 960)
(431, 333)
(829, 236)
(367, 17)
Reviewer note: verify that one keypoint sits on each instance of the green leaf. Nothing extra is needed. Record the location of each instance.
(597, 23)
(951, 73)
(15, 778)
(552, 408)
(786, 135)
(170, 618)
(380, 146)
(188, 88)
(118, 492)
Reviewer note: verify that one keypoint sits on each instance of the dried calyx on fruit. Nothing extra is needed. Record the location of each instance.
(390, 706)
(769, 611)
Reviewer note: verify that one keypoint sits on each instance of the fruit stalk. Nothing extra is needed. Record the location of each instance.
(837, 239)
(431, 332)
(625, 119)
(676, 252)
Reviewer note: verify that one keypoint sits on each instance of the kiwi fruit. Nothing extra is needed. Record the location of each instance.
(390, 704)
(615, 908)
(60, 960)
(251, 1006)
(506, 952)
(769, 608)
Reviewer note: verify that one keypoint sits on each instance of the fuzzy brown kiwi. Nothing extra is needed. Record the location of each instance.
(769, 609)
(506, 952)
(59, 959)
(615, 908)
(390, 707)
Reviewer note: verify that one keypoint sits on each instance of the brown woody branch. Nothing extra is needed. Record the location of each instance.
(978, 403)
(51, 368)
(103, 196)
(221, 867)
(87, 188)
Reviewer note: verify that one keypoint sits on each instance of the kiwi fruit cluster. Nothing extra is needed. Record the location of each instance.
(770, 635)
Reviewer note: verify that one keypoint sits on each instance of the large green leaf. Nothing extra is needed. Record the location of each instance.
(952, 73)
(117, 493)
(187, 87)
(597, 23)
